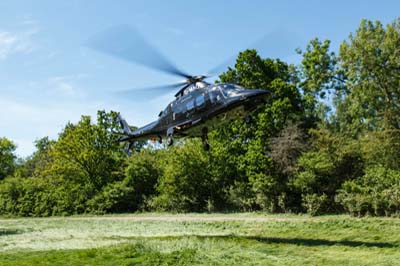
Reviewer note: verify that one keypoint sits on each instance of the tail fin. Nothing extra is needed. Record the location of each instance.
(128, 148)
(124, 125)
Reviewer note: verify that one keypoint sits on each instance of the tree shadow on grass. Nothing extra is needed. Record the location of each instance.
(278, 240)
(4, 232)
(322, 242)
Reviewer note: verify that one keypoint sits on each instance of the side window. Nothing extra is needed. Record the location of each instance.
(200, 100)
(190, 105)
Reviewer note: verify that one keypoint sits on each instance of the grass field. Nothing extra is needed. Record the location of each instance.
(200, 239)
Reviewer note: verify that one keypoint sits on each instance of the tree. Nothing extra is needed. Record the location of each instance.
(318, 75)
(90, 150)
(7, 157)
(38, 160)
(370, 61)
(330, 161)
(253, 141)
(287, 147)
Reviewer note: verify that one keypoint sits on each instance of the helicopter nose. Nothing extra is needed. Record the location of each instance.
(256, 93)
(254, 98)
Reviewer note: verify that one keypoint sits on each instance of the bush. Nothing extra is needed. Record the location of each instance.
(324, 169)
(141, 175)
(115, 197)
(375, 193)
(241, 197)
(10, 191)
(186, 183)
(42, 197)
(314, 203)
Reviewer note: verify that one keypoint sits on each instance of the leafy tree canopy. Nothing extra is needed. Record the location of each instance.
(7, 157)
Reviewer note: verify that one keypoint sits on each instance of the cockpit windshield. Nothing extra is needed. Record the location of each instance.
(223, 90)
(229, 89)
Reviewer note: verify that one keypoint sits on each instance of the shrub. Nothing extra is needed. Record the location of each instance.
(186, 183)
(42, 197)
(115, 197)
(314, 203)
(376, 193)
(241, 197)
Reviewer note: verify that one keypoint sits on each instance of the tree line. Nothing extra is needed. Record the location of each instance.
(327, 141)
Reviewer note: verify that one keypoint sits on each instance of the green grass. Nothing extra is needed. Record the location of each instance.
(200, 239)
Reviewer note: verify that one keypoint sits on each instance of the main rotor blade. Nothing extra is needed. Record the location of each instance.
(275, 44)
(161, 88)
(126, 43)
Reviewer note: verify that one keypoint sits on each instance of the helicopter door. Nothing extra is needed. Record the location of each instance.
(166, 115)
(190, 107)
(200, 102)
(178, 110)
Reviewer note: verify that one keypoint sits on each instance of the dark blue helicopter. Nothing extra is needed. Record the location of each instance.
(198, 107)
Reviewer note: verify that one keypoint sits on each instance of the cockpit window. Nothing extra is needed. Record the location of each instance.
(229, 89)
(224, 90)
(215, 94)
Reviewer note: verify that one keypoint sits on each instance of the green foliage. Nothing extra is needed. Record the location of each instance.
(114, 197)
(142, 174)
(7, 158)
(318, 68)
(62, 176)
(251, 71)
(318, 75)
(90, 149)
(41, 197)
(241, 197)
(36, 164)
(10, 191)
(375, 193)
(314, 203)
(323, 169)
(253, 141)
(186, 184)
(382, 148)
(130, 194)
(370, 61)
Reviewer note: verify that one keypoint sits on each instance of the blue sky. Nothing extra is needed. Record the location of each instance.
(48, 77)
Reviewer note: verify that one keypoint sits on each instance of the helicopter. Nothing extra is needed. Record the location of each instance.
(199, 106)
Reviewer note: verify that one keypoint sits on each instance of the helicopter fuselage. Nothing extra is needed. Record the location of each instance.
(199, 109)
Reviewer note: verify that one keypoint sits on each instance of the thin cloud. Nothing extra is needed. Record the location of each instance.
(67, 85)
(20, 42)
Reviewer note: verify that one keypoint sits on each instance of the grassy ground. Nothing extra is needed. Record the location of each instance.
(200, 239)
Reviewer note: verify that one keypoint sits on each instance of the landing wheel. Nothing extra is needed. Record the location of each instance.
(160, 139)
(206, 146)
(247, 119)
(204, 138)
(170, 141)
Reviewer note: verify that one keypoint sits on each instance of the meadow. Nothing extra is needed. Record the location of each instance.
(200, 239)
